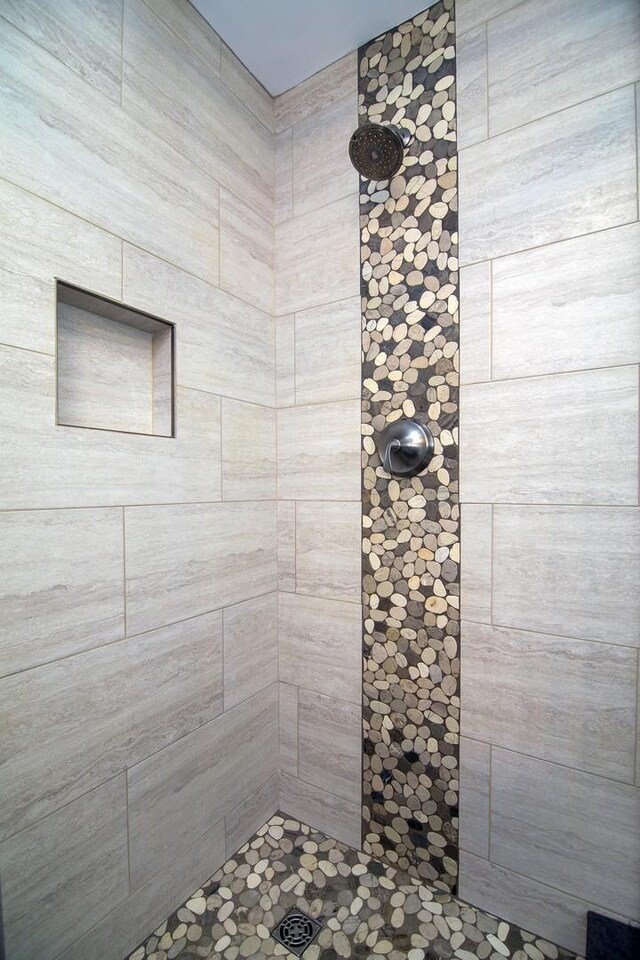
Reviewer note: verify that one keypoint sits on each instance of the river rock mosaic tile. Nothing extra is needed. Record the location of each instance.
(409, 286)
(367, 908)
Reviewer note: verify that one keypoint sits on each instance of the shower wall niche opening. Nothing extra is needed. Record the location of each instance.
(115, 365)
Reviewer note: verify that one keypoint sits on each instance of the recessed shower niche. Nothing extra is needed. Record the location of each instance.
(115, 365)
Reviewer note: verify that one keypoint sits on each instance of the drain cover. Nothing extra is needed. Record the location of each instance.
(296, 932)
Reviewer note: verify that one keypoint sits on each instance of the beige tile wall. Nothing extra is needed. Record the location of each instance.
(138, 604)
(318, 399)
(550, 818)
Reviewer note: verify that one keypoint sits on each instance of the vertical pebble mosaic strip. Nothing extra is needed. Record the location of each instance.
(411, 550)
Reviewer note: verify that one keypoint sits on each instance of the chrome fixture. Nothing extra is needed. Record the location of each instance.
(405, 447)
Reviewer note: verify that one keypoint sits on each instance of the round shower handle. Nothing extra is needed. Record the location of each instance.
(405, 447)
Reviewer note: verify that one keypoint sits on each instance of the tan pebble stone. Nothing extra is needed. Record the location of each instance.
(198, 905)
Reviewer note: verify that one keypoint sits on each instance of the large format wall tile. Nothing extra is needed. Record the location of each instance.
(60, 876)
(95, 467)
(224, 346)
(544, 299)
(471, 58)
(85, 38)
(149, 906)
(324, 136)
(565, 700)
(288, 728)
(559, 67)
(248, 451)
(319, 645)
(183, 101)
(175, 795)
(568, 570)
(327, 352)
(540, 812)
(582, 162)
(475, 791)
(317, 256)
(470, 13)
(335, 816)
(196, 33)
(250, 648)
(62, 588)
(319, 452)
(333, 83)
(561, 439)
(476, 566)
(188, 559)
(475, 322)
(285, 360)
(68, 726)
(246, 252)
(283, 173)
(39, 242)
(258, 807)
(330, 744)
(247, 89)
(328, 549)
(560, 918)
(286, 535)
(65, 140)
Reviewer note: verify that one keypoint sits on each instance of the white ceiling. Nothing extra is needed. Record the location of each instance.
(285, 41)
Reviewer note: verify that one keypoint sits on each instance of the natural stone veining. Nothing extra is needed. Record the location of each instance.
(409, 286)
(367, 908)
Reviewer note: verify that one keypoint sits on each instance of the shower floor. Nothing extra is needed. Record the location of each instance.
(367, 909)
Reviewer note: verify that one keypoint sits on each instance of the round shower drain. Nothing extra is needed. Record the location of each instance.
(296, 931)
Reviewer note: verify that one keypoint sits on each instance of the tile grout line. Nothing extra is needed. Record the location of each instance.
(489, 831)
(124, 569)
(539, 376)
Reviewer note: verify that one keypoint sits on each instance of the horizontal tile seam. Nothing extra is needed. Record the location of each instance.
(543, 633)
(560, 766)
(631, 364)
(314, 786)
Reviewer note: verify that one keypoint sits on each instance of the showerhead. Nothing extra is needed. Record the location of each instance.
(377, 150)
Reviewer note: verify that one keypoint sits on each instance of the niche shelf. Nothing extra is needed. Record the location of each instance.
(115, 365)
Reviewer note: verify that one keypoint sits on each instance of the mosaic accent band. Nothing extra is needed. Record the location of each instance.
(411, 586)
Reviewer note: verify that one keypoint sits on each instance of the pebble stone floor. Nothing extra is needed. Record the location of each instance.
(368, 909)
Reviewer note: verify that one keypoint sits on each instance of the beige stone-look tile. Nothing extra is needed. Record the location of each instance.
(320, 645)
(62, 732)
(317, 257)
(471, 63)
(582, 164)
(288, 728)
(246, 252)
(337, 817)
(539, 811)
(475, 569)
(248, 451)
(224, 345)
(286, 535)
(283, 176)
(63, 874)
(545, 59)
(545, 302)
(182, 100)
(328, 552)
(470, 13)
(175, 795)
(247, 89)
(327, 352)
(130, 922)
(104, 373)
(568, 571)
(39, 242)
(324, 134)
(475, 789)
(285, 361)
(475, 322)
(95, 467)
(86, 39)
(550, 439)
(333, 83)
(188, 559)
(65, 140)
(62, 584)
(197, 34)
(330, 743)
(564, 700)
(558, 917)
(319, 452)
(250, 648)
(243, 821)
